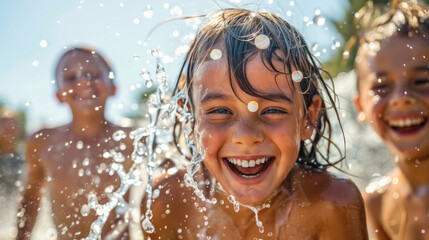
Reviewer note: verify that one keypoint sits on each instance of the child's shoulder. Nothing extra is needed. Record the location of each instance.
(46, 134)
(321, 185)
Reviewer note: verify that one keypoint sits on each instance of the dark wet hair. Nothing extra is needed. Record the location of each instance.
(234, 31)
(80, 49)
(408, 18)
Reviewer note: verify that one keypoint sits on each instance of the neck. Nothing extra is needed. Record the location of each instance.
(415, 171)
(89, 125)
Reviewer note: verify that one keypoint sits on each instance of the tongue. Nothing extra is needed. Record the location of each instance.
(250, 170)
(408, 129)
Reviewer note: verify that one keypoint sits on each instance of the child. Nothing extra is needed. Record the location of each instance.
(255, 93)
(73, 161)
(392, 66)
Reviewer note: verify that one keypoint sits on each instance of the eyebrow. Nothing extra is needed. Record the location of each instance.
(271, 96)
(214, 96)
(421, 68)
(278, 97)
(417, 68)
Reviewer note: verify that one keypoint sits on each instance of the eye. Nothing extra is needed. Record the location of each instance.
(220, 111)
(380, 88)
(71, 78)
(274, 111)
(423, 82)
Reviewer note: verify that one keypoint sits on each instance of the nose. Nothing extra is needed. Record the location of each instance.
(247, 132)
(402, 98)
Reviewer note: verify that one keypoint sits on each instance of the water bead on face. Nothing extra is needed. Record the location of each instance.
(252, 106)
(262, 41)
(297, 76)
(215, 54)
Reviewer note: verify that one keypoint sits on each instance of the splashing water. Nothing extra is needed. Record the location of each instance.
(162, 113)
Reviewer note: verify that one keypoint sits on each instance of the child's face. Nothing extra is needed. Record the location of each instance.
(249, 153)
(394, 94)
(83, 81)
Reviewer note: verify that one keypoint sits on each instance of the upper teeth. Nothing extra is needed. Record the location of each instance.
(247, 163)
(407, 122)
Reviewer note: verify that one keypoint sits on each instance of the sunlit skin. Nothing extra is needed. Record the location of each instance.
(401, 209)
(305, 203)
(68, 160)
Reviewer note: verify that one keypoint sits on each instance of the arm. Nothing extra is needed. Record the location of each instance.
(373, 214)
(28, 208)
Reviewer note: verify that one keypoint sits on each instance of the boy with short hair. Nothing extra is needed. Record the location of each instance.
(73, 160)
(392, 66)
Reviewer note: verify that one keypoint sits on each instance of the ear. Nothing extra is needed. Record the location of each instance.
(112, 90)
(61, 98)
(361, 115)
(312, 117)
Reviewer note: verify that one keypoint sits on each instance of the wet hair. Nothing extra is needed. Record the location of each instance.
(84, 50)
(234, 32)
(374, 24)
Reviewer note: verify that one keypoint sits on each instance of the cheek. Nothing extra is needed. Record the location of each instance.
(203, 135)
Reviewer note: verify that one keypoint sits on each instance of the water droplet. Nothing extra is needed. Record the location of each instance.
(297, 76)
(43, 43)
(319, 20)
(148, 83)
(154, 52)
(79, 145)
(136, 20)
(262, 41)
(395, 195)
(148, 226)
(35, 63)
(215, 54)
(148, 13)
(84, 210)
(111, 75)
(85, 162)
(252, 106)
(119, 135)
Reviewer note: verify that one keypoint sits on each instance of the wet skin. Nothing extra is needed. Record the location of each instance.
(394, 97)
(68, 160)
(304, 203)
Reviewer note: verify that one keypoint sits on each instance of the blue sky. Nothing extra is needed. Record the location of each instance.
(35, 33)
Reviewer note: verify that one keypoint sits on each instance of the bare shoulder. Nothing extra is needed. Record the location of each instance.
(319, 184)
(335, 204)
(39, 141)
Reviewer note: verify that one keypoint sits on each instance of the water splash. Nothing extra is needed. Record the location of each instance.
(162, 112)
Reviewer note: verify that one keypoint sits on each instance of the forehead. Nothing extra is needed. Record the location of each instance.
(213, 76)
(80, 59)
(397, 53)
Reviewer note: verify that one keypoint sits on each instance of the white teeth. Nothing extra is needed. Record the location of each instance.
(408, 122)
(251, 163)
(247, 163)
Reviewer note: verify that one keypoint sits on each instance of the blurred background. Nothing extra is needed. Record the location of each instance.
(35, 33)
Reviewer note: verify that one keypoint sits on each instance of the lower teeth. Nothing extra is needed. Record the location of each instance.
(246, 176)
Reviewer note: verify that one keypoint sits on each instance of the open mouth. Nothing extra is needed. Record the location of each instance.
(407, 125)
(249, 168)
